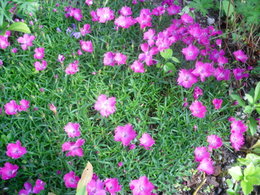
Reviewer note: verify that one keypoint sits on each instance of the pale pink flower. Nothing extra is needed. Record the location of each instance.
(112, 185)
(53, 108)
(71, 180)
(120, 58)
(72, 68)
(240, 56)
(201, 153)
(79, 52)
(108, 59)
(72, 129)
(124, 21)
(11, 108)
(8, 171)
(89, 2)
(186, 78)
(198, 109)
(206, 165)
(86, 29)
(39, 186)
(15, 150)
(26, 41)
(125, 11)
(145, 18)
(125, 134)
(61, 58)
(146, 141)
(25, 104)
(191, 52)
(39, 66)
(94, 16)
(106, 106)
(14, 50)
(214, 142)
(74, 148)
(137, 67)
(39, 53)
(4, 42)
(86, 46)
(217, 103)
(141, 186)
(105, 14)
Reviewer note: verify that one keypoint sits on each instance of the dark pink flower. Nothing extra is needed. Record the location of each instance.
(96, 187)
(26, 41)
(191, 52)
(112, 185)
(222, 60)
(86, 29)
(71, 180)
(198, 109)
(239, 73)
(173, 9)
(141, 186)
(187, 19)
(197, 92)
(146, 141)
(27, 189)
(86, 46)
(237, 140)
(72, 68)
(217, 103)
(11, 108)
(39, 66)
(94, 16)
(109, 59)
(222, 74)
(39, 186)
(39, 53)
(72, 129)
(186, 78)
(214, 142)
(105, 14)
(125, 134)
(15, 150)
(238, 127)
(201, 153)
(240, 56)
(8, 171)
(206, 165)
(203, 70)
(158, 11)
(145, 18)
(138, 67)
(106, 106)
(74, 148)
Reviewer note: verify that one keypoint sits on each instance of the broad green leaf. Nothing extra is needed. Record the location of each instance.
(175, 59)
(229, 183)
(257, 108)
(255, 159)
(238, 99)
(20, 27)
(249, 98)
(169, 67)
(248, 109)
(236, 173)
(230, 192)
(228, 7)
(247, 187)
(249, 170)
(166, 54)
(252, 125)
(85, 179)
(257, 93)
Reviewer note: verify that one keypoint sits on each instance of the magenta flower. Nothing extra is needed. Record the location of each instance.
(94, 16)
(206, 165)
(173, 9)
(27, 189)
(61, 58)
(145, 18)
(76, 13)
(39, 66)
(186, 78)
(85, 30)
(197, 92)
(203, 70)
(39, 53)
(239, 73)
(8, 171)
(222, 60)
(74, 148)
(72, 129)
(217, 103)
(146, 141)
(158, 11)
(71, 180)
(138, 67)
(191, 52)
(11, 108)
(4, 42)
(15, 150)
(124, 21)
(237, 140)
(26, 41)
(86, 46)
(198, 109)
(96, 187)
(39, 186)
(89, 2)
(109, 59)
(214, 142)
(105, 14)
(24, 105)
(112, 185)
(120, 58)
(238, 127)
(125, 134)
(53, 108)
(125, 11)
(201, 153)
(187, 19)
(240, 56)
(72, 68)
(141, 186)
(105, 106)
(222, 74)
(147, 55)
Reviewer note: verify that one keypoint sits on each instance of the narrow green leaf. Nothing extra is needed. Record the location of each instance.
(175, 59)
(236, 173)
(20, 27)
(257, 93)
(228, 8)
(166, 54)
(252, 125)
(238, 99)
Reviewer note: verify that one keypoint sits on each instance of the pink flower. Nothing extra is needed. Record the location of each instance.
(141, 186)
(39, 186)
(39, 53)
(94, 16)
(53, 108)
(203, 70)
(217, 103)
(238, 127)
(120, 58)
(197, 92)
(79, 52)
(71, 180)
(112, 185)
(125, 134)
(158, 11)
(74, 148)
(105, 106)
(145, 18)
(89, 2)
(124, 21)
(26, 41)
(146, 141)
(239, 73)
(222, 60)
(206, 165)
(76, 13)
(240, 56)
(24, 105)
(14, 50)
(187, 19)
(4, 42)
(39, 66)
(191, 52)
(61, 58)
(125, 11)
(86, 46)
(96, 187)
(15, 150)
(198, 109)
(201, 153)
(85, 30)
(186, 78)
(173, 10)
(27, 189)
(214, 142)
(105, 14)
(72, 68)
(138, 67)
(72, 129)
(222, 74)
(8, 171)
(120, 164)
(237, 140)
(109, 59)
(132, 146)
(11, 108)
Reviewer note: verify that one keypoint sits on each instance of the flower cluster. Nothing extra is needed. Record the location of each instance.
(110, 59)
(76, 13)
(238, 128)
(15, 150)
(106, 106)
(12, 108)
(29, 189)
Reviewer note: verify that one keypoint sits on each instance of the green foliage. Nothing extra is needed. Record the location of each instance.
(5, 14)
(169, 66)
(252, 105)
(202, 6)
(26, 6)
(248, 176)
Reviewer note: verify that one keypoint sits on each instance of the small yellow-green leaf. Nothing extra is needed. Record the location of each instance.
(247, 187)
(236, 173)
(85, 179)
(166, 54)
(20, 27)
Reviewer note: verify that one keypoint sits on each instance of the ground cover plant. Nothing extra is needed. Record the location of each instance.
(137, 88)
